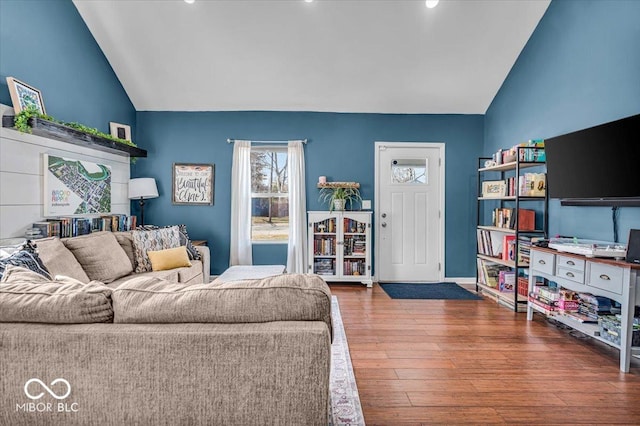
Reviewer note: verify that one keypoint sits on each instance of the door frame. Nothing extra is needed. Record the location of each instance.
(441, 222)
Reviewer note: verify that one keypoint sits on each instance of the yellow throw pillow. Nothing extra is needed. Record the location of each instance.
(172, 258)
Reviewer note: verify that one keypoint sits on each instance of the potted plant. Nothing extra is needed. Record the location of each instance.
(338, 198)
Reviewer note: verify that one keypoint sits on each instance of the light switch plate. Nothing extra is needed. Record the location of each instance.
(366, 204)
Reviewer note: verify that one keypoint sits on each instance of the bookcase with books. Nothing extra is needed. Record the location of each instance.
(508, 182)
(340, 246)
(73, 226)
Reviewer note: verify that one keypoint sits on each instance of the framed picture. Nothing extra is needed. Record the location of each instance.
(120, 131)
(24, 96)
(193, 184)
(494, 189)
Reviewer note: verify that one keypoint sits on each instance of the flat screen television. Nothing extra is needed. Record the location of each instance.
(598, 166)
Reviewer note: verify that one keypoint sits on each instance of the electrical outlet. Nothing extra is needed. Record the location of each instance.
(366, 204)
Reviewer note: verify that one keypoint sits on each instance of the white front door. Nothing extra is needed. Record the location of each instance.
(409, 213)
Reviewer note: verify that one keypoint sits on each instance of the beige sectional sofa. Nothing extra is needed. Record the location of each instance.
(149, 351)
(97, 256)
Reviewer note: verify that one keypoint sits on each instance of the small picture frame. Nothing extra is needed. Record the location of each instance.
(494, 189)
(120, 131)
(24, 96)
(192, 184)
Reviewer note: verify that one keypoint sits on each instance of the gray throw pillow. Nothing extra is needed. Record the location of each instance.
(59, 260)
(101, 256)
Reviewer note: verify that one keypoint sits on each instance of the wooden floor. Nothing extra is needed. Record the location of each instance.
(474, 362)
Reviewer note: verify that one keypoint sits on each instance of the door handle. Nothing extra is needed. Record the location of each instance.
(383, 224)
(384, 215)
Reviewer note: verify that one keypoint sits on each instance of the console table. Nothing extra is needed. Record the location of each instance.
(616, 280)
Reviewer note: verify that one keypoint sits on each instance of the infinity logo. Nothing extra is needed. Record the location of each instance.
(52, 393)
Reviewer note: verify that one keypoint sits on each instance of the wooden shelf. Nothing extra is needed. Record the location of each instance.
(62, 133)
(503, 298)
(512, 198)
(509, 230)
(354, 185)
(509, 263)
(511, 166)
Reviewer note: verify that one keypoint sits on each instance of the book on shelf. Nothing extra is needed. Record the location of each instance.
(532, 185)
(508, 247)
(489, 272)
(506, 281)
(504, 217)
(489, 243)
(66, 227)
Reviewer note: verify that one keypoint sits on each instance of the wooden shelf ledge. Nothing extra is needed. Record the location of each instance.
(63, 133)
(339, 185)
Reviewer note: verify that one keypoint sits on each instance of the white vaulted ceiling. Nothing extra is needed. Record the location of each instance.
(328, 55)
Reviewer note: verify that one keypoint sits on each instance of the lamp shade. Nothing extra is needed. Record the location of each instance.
(143, 188)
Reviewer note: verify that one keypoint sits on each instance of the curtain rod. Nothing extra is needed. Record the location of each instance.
(304, 141)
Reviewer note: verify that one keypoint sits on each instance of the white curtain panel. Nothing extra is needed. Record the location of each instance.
(240, 244)
(297, 250)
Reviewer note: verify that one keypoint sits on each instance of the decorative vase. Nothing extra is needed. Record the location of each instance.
(338, 205)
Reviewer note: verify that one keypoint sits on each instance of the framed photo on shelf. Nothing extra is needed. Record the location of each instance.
(120, 131)
(193, 184)
(494, 189)
(24, 96)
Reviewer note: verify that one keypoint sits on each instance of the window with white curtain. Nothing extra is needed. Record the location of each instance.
(269, 194)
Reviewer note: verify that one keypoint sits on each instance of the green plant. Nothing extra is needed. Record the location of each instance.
(21, 123)
(349, 195)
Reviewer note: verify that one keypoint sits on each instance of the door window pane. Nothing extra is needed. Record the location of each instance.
(409, 171)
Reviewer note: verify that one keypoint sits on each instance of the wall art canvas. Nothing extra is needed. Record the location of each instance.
(193, 184)
(75, 187)
(24, 96)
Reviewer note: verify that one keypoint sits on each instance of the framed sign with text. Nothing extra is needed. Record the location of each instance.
(193, 184)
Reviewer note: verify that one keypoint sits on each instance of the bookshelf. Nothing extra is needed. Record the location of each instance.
(340, 246)
(504, 237)
(67, 227)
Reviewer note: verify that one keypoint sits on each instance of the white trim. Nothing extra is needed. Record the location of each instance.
(460, 280)
(441, 156)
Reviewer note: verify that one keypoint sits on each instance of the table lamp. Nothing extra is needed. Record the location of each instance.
(142, 189)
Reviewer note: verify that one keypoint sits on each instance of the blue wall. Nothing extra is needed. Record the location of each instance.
(341, 147)
(580, 68)
(46, 44)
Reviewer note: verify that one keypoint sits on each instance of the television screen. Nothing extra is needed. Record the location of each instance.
(600, 164)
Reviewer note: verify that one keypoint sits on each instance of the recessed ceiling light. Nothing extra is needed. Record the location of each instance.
(308, 1)
(432, 3)
(189, 1)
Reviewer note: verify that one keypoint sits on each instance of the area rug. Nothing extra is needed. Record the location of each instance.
(345, 408)
(446, 291)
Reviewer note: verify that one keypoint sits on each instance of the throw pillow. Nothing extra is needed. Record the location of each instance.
(193, 252)
(101, 256)
(59, 260)
(55, 302)
(15, 274)
(27, 259)
(153, 240)
(172, 258)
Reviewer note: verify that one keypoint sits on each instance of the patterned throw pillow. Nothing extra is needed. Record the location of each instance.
(26, 258)
(192, 251)
(153, 240)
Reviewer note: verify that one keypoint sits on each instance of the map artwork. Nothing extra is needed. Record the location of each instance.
(73, 187)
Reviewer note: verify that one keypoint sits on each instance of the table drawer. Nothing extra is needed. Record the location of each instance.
(543, 262)
(605, 277)
(570, 274)
(569, 262)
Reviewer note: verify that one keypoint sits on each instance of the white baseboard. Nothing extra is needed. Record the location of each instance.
(461, 280)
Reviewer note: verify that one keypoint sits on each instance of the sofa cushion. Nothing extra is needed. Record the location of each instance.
(288, 297)
(13, 274)
(172, 275)
(27, 259)
(59, 260)
(126, 242)
(100, 255)
(172, 258)
(190, 273)
(153, 240)
(53, 302)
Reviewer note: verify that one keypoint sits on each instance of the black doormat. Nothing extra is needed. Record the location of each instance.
(450, 291)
